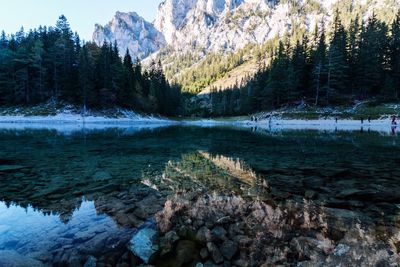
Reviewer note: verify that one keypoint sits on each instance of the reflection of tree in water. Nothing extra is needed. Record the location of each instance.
(242, 198)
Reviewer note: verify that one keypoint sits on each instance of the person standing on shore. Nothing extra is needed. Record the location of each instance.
(394, 122)
(369, 119)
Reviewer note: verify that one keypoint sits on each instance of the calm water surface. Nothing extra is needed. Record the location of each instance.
(66, 197)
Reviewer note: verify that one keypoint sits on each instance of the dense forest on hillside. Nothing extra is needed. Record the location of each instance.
(354, 63)
(326, 68)
(52, 64)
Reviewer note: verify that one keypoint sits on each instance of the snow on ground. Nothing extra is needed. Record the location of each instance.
(77, 118)
(323, 125)
(381, 125)
(68, 122)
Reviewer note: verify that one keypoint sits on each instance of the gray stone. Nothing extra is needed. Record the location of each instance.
(90, 262)
(144, 243)
(219, 233)
(167, 242)
(203, 235)
(242, 240)
(215, 253)
(204, 253)
(229, 249)
(341, 250)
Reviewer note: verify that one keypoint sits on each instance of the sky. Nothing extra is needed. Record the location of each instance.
(81, 14)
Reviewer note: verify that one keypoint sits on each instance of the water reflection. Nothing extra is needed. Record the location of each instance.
(27, 234)
(303, 196)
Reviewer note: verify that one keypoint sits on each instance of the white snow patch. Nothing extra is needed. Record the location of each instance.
(323, 125)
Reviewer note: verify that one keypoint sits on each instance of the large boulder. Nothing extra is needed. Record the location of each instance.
(144, 243)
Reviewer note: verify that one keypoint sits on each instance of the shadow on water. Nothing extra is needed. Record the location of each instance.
(308, 197)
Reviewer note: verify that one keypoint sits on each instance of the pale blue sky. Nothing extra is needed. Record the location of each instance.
(82, 14)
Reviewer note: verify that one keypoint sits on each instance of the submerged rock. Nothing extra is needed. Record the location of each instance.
(229, 249)
(219, 233)
(90, 262)
(144, 242)
(167, 242)
(215, 253)
(186, 252)
(13, 259)
(341, 250)
(11, 168)
(102, 176)
(203, 235)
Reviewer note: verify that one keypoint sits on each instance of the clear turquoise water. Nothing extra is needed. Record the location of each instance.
(64, 197)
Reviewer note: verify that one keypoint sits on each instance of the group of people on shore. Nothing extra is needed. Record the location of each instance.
(393, 118)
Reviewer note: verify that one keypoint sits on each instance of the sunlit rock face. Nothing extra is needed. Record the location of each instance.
(227, 25)
(131, 32)
(219, 25)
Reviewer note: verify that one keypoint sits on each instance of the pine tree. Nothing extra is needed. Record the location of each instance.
(89, 94)
(318, 59)
(353, 54)
(337, 65)
(394, 55)
(127, 94)
(372, 54)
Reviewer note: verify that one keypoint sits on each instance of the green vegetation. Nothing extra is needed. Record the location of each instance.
(361, 62)
(53, 64)
(361, 110)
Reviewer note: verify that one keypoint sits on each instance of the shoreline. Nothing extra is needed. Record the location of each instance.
(76, 121)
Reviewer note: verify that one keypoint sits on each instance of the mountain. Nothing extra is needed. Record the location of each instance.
(228, 25)
(221, 25)
(194, 38)
(132, 32)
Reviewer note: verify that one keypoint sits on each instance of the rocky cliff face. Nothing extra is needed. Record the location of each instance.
(220, 25)
(228, 25)
(131, 32)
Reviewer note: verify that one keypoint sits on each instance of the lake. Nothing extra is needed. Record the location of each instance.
(222, 196)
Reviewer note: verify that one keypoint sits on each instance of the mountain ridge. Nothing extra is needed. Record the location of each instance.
(131, 32)
(203, 27)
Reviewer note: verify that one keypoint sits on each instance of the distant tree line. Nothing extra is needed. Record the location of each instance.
(53, 64)
(355, 63)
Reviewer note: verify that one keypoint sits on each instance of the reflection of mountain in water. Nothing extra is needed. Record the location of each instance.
(129, 177)
(202, 172)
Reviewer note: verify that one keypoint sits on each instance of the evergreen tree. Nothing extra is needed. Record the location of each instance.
(318, 58)
(372, 54)
(353, 54)
(394, 55)
(337, 65)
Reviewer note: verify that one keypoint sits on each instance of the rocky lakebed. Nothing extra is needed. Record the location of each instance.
(189, 196)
